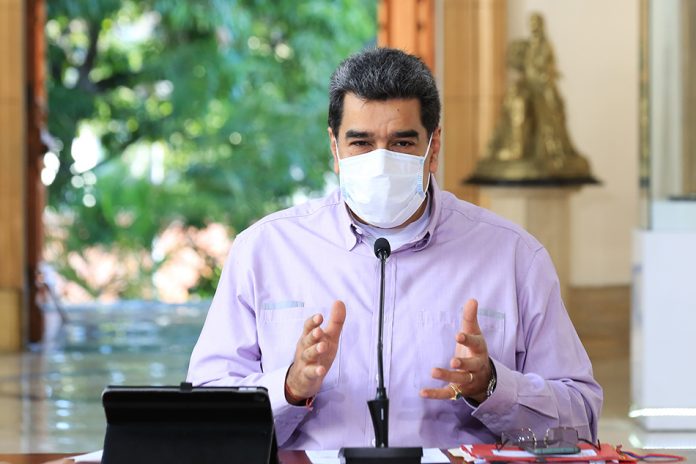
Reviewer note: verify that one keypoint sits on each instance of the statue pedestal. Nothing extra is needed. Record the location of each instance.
(542, 211)
(662, 325)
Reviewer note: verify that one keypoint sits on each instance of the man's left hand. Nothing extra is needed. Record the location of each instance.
(470, 367)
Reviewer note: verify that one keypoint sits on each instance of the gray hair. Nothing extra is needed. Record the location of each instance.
(384, 74)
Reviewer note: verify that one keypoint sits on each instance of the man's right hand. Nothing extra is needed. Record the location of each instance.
(315, 353)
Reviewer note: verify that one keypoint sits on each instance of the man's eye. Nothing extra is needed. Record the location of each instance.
(404, 143)
(359, 143)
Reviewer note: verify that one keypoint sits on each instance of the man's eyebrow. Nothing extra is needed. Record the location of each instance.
(358, 134)
(355, 134)
(406, 134)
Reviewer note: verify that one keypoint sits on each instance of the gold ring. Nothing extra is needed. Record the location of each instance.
(457, 392)
(471, 377)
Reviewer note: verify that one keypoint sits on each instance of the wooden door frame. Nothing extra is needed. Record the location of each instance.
(36, 107)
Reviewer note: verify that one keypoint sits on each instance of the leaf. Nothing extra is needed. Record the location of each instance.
(233, 92)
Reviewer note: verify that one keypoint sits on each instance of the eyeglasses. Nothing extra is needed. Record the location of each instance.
(558, 440)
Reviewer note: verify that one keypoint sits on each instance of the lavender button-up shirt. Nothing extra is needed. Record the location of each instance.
(296, 262)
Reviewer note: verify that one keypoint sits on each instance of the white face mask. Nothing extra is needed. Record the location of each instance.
(383, 188)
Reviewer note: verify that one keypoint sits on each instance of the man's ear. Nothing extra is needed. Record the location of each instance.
(332, 142)
(435, 150)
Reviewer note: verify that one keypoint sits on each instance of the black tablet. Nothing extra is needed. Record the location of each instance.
(188, 425)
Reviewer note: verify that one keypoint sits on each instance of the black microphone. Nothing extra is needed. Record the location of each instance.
(382, 249)
(379, 407)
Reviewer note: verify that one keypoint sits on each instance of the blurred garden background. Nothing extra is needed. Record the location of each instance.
(173, 125)
(170, 126)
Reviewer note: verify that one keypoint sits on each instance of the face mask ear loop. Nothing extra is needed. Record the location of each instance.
(425, 157)
(338, 155)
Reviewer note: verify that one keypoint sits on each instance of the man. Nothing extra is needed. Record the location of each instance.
(510, 359)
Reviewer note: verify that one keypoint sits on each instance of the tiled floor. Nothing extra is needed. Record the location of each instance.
(49, 398)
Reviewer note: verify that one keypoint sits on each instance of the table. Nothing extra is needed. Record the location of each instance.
(36, 458)
(286, 457)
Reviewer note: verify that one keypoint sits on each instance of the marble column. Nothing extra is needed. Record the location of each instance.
(542, 211)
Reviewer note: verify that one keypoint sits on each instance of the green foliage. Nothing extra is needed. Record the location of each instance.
(205, 110)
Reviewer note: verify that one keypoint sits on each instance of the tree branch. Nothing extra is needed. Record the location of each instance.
(113, 81)
(83, 82)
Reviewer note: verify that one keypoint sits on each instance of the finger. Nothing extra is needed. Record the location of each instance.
(312, 338)
(475, 343)
(311, 323)
(336, 319)
(313, 352)
(463, 378)
(468, 364)
(469, 319)
(312, 372)
(437, 393)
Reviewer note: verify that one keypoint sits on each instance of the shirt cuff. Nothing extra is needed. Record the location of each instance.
(286, 415)
(274, 381)
(491, 412)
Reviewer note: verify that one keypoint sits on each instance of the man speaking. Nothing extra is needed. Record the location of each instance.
(476, 339)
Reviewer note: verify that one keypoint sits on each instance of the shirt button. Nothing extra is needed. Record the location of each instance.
(374, 442)
(376, 377)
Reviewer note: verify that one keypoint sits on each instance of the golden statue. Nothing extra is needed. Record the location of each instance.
(531, 142)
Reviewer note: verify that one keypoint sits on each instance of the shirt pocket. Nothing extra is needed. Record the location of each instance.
(436, 341)
(281, 328)
(492, 324)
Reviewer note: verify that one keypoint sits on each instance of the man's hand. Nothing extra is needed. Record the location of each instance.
(315, 353)
(471, 369)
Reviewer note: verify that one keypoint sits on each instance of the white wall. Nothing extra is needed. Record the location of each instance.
(596, 45)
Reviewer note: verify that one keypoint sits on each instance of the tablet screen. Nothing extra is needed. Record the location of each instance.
(198, 425)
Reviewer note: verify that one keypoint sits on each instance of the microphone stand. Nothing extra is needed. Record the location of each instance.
(379, 407)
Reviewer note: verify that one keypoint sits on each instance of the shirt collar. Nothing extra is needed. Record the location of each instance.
(435, 213)
(346, 226)
(351, 229)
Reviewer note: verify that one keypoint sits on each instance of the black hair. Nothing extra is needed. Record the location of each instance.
(384, 74)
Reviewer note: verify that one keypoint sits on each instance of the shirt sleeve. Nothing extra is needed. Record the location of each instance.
(551, 382)
(227, 352)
